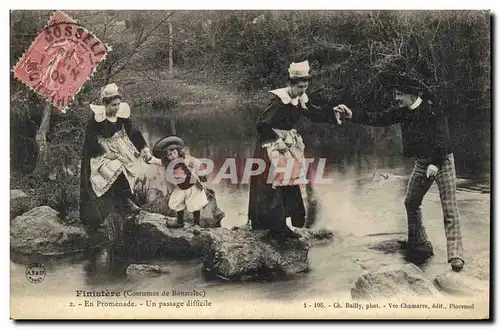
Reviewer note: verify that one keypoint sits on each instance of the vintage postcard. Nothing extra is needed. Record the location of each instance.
(170, 164)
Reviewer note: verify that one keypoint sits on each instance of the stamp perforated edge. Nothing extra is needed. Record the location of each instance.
(70, 19)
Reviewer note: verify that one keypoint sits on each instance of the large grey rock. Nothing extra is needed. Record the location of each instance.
(245, 255)
(155, 238)
(239, 254)
(405, 281)
(390, 246)
(460, 284)
(39, 231)
(146, 270)
(155, 201)
(315, 236)
(20, 202)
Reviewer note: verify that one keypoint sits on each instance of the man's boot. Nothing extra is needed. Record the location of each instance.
(457, 264)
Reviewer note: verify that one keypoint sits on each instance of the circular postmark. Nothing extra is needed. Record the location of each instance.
(60, 60)
(35, 272)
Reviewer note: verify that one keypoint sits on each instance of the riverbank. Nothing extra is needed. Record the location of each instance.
(163, 93)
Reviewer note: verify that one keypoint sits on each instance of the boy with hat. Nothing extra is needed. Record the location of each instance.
(182, 169)
(426, 137)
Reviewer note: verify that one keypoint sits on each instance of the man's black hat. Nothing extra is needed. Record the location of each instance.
(408, 83)
(397, 73)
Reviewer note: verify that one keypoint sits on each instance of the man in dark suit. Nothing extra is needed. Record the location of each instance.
(426, 137)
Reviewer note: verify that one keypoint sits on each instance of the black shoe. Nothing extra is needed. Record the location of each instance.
(419, 254)
(276, 237)
(421, 249)
(457, 264)
(175, 224)
(291, 234)
(219, 215)
(287, 233)
(129, 206)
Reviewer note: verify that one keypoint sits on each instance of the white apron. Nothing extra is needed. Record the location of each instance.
(104, 172)
(292, 158)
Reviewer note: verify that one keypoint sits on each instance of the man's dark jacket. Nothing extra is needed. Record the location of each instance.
(425, 129)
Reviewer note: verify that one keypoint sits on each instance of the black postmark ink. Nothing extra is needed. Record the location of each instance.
(35, 273)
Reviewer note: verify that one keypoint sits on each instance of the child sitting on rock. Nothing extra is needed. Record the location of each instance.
(189, 193)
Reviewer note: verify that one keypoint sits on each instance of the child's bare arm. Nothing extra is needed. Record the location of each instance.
(155, 161)
(199, 169)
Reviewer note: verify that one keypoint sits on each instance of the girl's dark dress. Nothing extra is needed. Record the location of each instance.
(268, 207)
(94, 209)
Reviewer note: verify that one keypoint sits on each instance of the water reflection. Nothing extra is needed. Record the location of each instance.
(105, 265)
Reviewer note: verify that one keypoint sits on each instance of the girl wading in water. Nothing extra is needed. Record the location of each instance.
(273, 200)
(110, 160)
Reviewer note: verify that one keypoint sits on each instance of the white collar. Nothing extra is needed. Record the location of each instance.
(100, 112)
(283, 94)
(416, 104)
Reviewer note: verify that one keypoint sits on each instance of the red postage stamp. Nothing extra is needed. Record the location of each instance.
(60, 60)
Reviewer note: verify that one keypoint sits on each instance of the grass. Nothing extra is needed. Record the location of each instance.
(62, 194)
(160, 94)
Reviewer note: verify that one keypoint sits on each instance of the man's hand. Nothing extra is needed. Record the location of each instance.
(431, 171)
(111, 156)
(343, 110)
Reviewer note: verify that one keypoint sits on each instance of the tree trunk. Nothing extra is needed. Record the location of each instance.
(41, 142)
(172, 127)
(108, 74)
(170, 48)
